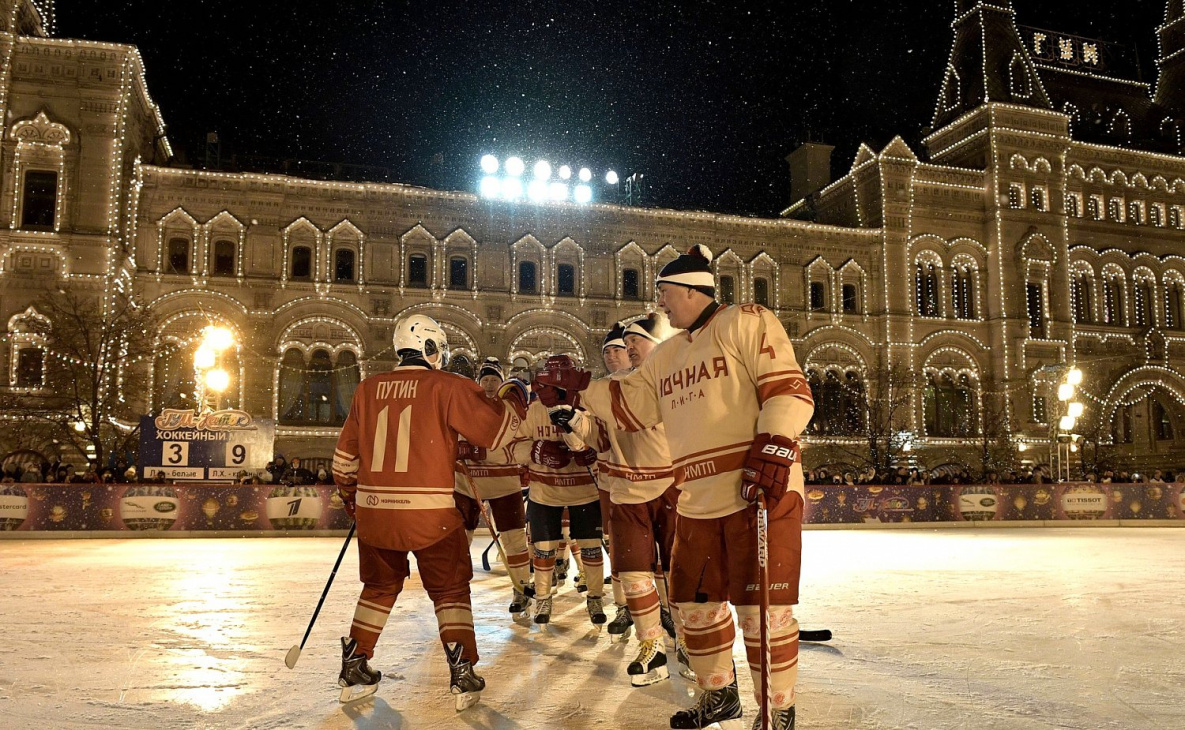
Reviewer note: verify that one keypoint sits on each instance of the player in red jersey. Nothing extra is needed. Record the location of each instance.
(394, 468)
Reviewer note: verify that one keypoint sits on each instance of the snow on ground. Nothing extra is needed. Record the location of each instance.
(993, 629)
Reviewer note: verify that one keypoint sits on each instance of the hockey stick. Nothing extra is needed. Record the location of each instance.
(485, 514)
(814, 634)
(763, 577)
(293, 654)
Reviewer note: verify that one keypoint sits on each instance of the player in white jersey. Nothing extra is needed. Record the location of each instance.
(617, 360)
(734, 401)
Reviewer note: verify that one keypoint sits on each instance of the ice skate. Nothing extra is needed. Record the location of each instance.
(714, 706)
(619, 627)
(356, 678)
(778, 720)
(650, 666)
(543, 610)
(596, 610)
(668, 621)
(463, 682)
(518, 604)
(684, 661)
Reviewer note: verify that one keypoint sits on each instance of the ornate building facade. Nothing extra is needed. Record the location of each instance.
(1039, 226)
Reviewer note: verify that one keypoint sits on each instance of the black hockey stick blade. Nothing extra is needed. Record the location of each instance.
(485, 557)
(814, 634)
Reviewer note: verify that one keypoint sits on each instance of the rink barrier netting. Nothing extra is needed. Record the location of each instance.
(266, 510)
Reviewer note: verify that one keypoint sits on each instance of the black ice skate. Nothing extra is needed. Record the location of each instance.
(543, 610)
(721, 706)
(519, 603)
(561, 571)
(668, 621)
(778, 720)
(684, 661)
(596, 610)
(356, 679)
(650, 666)
(619, 627)
(463, 682)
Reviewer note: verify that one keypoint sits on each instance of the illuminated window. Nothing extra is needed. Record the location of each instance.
(39, 199)
(926, 290)
(1113, 300)
(458, 272)
(1172, 305)
(629, 284)
(1082, 310)
(527, 280)
(417, 270)
(818, 296)
(1115, 210)
(343, 265)
(949, 405)
(565, 280)
(178, 256)
(1094, 207)
(302, 263)
(1142, 303)
(1038, 198)
(1040, 409)
(1016, 196)
(761, 292)
(224, 258)
(851, 299)
(1156, 215)
(727, 290)
(30, 367)
(1135, 212)
(317, 392)
(962, 292)
(1035, 299)
(1162, 421)
(1074, 205)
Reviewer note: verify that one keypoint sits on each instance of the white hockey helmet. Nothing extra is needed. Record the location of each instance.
(422, 336)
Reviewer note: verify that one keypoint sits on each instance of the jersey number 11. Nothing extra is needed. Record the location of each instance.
(401, 440)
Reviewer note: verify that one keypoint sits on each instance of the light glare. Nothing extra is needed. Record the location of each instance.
(217, 380)
(219, 338)
(565, 172)
(1065, 392)
(583, 194)
(558, 191)
(515, 166)
(512, 188)
(542, 170)
(611, 177)
(489, 164)
(585, 174)
(490, 187)
(537, 191)
(1076, 409)
(1067, 423)
(203, 358)
(1074, 377)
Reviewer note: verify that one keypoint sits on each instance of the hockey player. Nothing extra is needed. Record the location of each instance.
(637, 469)
(495, 477)
(560, 478)
(394, 468)
(734, 402)
(616, 359)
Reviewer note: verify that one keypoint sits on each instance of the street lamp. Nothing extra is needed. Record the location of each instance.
(1063, 434)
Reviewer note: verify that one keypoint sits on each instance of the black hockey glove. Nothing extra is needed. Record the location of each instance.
(565, 418)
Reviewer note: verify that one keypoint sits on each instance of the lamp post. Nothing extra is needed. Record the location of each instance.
(1062, 430)
(212, 380)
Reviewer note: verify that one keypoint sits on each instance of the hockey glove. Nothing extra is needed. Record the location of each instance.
(767, 468)
(552, 454)
(515, 392)
(565, 418)
(585, 458)
(348, 502)
(470, 452)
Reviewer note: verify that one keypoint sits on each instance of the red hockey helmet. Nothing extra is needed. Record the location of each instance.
(560, 381)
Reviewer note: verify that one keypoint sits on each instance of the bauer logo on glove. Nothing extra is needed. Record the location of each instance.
(767, 468)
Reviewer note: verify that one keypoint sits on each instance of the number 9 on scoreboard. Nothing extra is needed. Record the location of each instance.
(236, 454)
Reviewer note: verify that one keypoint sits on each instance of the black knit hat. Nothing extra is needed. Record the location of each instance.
(691, 270)
(490, 366)
(615, 337)
(651, 327)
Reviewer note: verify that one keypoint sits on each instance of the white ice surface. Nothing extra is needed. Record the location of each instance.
(1008, 629)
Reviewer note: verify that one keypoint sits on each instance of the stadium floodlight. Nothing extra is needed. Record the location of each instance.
(1067, 423)
(585, 174)
(542, 170)
(489, 164)
(565, 172)
(537, 191)
(557, 191)
(1074, 377)
(515, 166)
(512, 188)
(1076, 408)
(611, 177)
(491, 187)
(219, 338)
(204, 357)
(217, 380)
(1065, 392)
(583, 194)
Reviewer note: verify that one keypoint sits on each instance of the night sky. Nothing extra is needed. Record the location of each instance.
(705, 99)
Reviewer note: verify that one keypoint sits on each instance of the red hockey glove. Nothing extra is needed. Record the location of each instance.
(552, 454)
(348, 502)
(767, 468)
(470, 452)
(515, 392)
(588, 457)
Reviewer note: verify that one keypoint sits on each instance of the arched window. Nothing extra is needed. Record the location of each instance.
(1115, 210)
(818, 296)
(458, 272)
(1082, 300)
(317, 392)
(178, 256)
(727, 290)
(224, 258)
(1094, 207)
(1035, 301)
(949, 405)
(1135, 212)
(30, 367)
(565, 283)
(761, 291)
(527, 279)
(1156, 215)
(962, 292)
(39, 200)
(854, 404)
(417, 270)
(1162, 421)
(926, 289)
(1113, 300)
(302, 263)
(851, 299)
(1037, 196)
(1172, 305)
(1142, 303)
(1121, 427)
(343, 265)
(630, 288)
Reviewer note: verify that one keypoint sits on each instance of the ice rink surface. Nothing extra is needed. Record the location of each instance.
(991, 629)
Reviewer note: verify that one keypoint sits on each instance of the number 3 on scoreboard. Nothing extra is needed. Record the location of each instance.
(401, 441)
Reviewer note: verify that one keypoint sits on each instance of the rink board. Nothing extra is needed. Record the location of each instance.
(197, 507)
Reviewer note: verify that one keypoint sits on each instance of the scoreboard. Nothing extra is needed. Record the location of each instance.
(185, 444)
